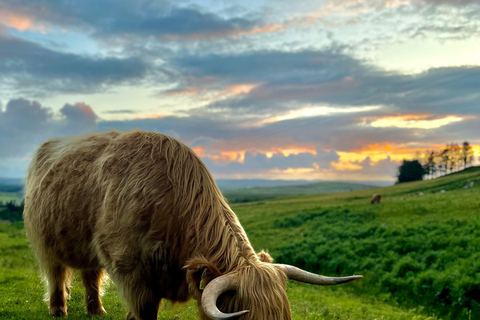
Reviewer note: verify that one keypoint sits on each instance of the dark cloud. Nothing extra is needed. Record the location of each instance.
(140, 18)
(22, 126)
(293, 79)
(120, 111)
(79, 118)
(382, 168)
(29, 67)
(25, 124)
(259, 162)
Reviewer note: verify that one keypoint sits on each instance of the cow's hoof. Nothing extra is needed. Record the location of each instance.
(96, 311)
(130, 316)
(58, 312)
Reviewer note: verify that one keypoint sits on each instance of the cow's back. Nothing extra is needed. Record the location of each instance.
(87, 196)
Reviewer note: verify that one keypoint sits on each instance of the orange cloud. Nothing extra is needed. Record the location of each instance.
(183, 92)
(20, 22)
(346, 166)
(151, 116)
(232, 90)
(222, 156)
(265, 29)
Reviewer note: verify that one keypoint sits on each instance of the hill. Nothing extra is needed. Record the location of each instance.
(256, 194)
(419, 248)
(11, 190)
(236, 184)
(419, 251)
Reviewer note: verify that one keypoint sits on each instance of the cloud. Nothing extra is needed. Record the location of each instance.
(385, 167)
(289, 80)
(139, 18)
(20, 22)
(313, 147)
(120, 111)
(25, 124)
(259, 162)
(79, 117)
(30, 68)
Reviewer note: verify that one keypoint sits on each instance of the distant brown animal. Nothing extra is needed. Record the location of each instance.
(376, 198)
(144, 208)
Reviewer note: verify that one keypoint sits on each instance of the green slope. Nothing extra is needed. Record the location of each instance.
(11, 191)
(256, 194)
(420, 255)
(420, 247)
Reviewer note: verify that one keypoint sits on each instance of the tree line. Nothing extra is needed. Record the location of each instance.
(10, 211)
(436, 163)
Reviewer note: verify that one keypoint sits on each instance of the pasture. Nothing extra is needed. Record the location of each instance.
(419, 251)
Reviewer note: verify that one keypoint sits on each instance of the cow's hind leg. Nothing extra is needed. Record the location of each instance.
(92, 280)
(58, 278)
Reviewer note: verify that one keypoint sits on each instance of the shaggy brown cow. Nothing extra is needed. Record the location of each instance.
(143, 207)
(376, 198)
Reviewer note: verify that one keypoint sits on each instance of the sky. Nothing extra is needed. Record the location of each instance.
(317, 90)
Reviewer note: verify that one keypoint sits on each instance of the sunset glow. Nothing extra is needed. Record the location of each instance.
(20, 22)
(327, 90)
(414, 122)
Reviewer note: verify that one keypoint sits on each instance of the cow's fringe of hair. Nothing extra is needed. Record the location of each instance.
(263, 294)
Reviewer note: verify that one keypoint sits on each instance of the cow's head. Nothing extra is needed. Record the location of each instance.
(253, 291)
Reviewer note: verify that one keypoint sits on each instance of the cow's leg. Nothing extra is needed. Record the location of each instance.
(58, 278)
(92, 281)
(143, 306)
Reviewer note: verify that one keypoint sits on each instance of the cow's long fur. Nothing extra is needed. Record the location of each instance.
(144, 207)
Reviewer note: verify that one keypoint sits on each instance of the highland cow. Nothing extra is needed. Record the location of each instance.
(376, 198)
(143, 208)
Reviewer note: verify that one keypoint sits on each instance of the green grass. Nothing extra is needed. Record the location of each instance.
(256, 194)
(21, 293)
(411, 249)
(11, 196)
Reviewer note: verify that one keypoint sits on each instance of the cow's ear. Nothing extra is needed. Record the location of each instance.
(264, 257)
(199, 273)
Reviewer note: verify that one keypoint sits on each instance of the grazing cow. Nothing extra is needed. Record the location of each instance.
(144, 208)
(376, 198)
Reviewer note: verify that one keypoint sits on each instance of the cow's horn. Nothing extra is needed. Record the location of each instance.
(297, 274)
(211, 293)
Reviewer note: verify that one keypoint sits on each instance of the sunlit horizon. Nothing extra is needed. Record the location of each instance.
(317, 90)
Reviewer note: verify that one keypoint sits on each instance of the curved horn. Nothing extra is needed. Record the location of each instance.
(211, 293)
(297, 274)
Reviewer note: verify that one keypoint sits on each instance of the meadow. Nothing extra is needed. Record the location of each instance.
(419, 251)
(257, 194)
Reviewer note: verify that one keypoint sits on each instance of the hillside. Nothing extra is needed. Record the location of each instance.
(419, 248)
(419, 252)
(11, 190)
(256, 194)
(236, 184)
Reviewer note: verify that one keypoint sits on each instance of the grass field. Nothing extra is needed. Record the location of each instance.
(419, 254)
(21, 294)
(11, 196)
(257, 194)
(11, 190)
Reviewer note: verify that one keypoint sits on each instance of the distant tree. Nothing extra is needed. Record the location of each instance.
(12, 212)
(449, 158)
(410, 171)
(456, 157)
(466, 154)
(430, 165)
